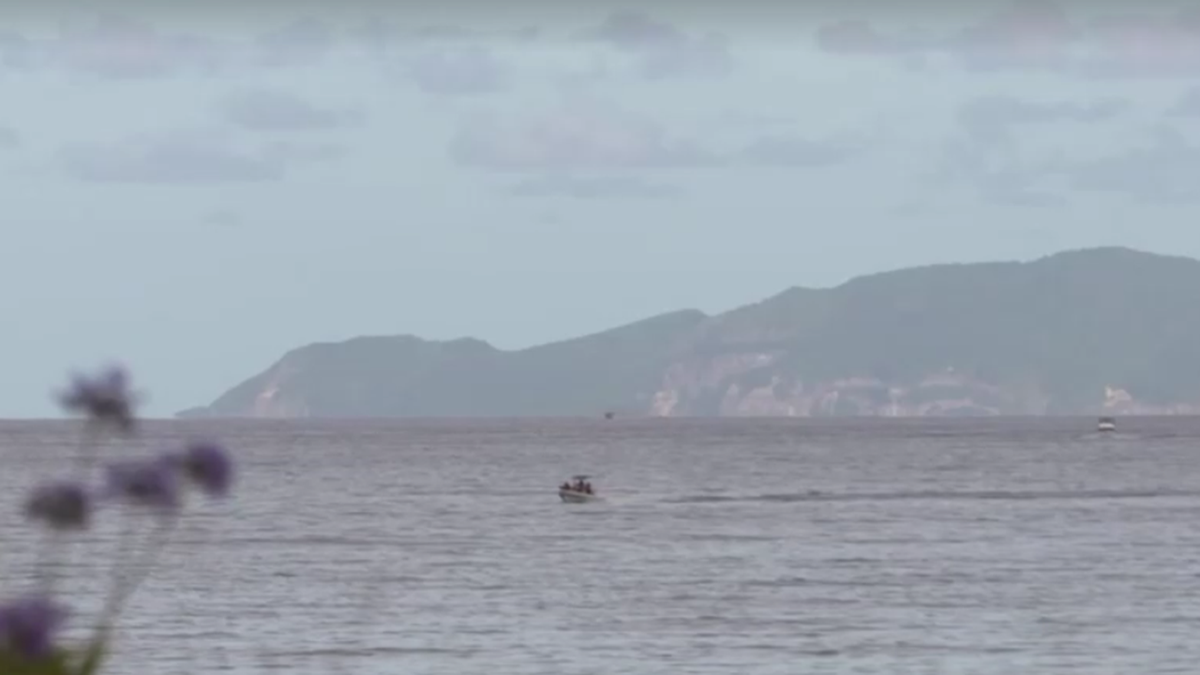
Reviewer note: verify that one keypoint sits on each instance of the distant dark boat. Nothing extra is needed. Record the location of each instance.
(1106, 424)
(609, 415)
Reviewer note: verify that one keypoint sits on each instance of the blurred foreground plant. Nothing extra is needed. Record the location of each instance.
(153, 490)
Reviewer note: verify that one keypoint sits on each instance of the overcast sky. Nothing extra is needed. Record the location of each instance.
(196, 192)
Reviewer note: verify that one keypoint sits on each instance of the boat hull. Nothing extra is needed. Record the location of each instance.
(1106, 427)
(576, 497)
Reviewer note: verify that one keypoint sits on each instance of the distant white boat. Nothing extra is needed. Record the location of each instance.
(1106, 424)
(576, 497)
(577, 492)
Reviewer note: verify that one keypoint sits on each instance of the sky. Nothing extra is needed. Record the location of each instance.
(194, 191)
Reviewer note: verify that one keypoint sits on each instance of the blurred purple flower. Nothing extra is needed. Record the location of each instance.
(63, 506)
(28, 625)
(153, 483)
(104, 398)
(208, 466)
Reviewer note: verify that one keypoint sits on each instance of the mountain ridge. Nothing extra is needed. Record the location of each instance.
(1097, 330)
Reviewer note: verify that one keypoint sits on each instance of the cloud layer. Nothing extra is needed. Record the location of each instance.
(186, 158)
(1041, 35)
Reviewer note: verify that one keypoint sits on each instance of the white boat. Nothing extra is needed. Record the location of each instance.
(571, 494)
(577, 497)
(1106, 424)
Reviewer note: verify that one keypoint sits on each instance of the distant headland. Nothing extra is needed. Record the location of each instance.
(1095, 331)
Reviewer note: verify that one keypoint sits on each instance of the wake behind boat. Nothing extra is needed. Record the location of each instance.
(577, 491)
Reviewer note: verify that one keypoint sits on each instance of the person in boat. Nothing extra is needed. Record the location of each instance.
(587, 488)
(565, 486)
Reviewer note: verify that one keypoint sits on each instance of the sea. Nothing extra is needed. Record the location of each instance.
(725, 546)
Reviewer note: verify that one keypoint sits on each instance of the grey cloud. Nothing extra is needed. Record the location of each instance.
(1003, 191)
(379, 35)
(990, 118)
(115, 46)
(183, 158)
(1024, 34)
(221, 218)
(751, 119)
(266, 109)
(16, 50)
(603, 187)
(303, 42)
(986, 159)
(795, 152)
(662, 50)
(457, 71)
(1027, 34)
(1188, 104)
(855, 36)
(119, 47)
(1145, 46)
(9, 138)
(580, 136)
(1163, 170)
(1040, 35)
(590, 135)
(998, 177)
(286, 152)
(912, 209)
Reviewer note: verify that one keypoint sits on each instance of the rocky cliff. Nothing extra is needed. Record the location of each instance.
(1098, 331)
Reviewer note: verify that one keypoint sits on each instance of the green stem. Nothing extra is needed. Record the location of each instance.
(85, 460)
(124, 585)
(46, 574)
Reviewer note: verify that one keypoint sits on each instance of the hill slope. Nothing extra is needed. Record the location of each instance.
(1099, 330)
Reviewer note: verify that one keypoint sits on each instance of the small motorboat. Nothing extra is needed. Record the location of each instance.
(577, 491)
(1106, 424)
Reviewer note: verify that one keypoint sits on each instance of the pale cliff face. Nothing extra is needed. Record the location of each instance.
(684, 382)
(938, 394)
(276, 400)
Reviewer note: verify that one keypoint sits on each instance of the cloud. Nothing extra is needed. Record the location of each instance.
(183, 158)
(268, 109)
(16, 51)
(110, 45)
(590, 135)
(795, 152)
(1145, 46)
(1039, 35)
(609, 187)
(1028, 34)
(1163, 170)
(574, 136)
(9, 138)
(379, 35)
(858, 37)
(997, 174)
(990, 119)
(661, 50)
(302, 42)
(118, 47)
(223, 218)
(288, 152)
(988, 158)
(1188, 104)
(457, 71)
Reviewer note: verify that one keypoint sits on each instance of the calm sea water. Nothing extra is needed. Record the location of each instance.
(731, 547)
